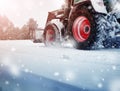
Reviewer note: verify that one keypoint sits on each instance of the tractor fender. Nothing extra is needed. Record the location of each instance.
(99, 6)
(59, 25)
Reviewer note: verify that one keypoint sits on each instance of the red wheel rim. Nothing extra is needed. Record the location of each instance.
(50, 35)
(81, 29)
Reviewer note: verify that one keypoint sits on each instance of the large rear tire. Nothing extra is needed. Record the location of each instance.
(51, 35)
(83, 29)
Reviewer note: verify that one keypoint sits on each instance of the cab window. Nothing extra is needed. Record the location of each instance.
(76, 1)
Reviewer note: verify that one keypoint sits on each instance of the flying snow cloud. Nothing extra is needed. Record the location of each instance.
(13, 69)
(117, 6)
(115, 85)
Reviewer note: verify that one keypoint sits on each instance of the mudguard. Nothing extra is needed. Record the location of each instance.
(99, 6)
(57, 23)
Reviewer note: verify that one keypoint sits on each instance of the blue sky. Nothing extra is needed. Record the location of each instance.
(19, 11)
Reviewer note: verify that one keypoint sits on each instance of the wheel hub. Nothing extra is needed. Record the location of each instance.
(50, 37)
(86, 29)
(81, 29)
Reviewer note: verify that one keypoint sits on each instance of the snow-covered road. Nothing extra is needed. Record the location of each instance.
(95, 69)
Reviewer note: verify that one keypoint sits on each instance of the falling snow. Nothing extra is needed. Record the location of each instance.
(13, 49)
(114, 67)
(56, 74)
(1, 65)
(7, 82)
(17, 84)
(15, 70)
(100, 85)
(69, 76)
(26, 70)
(103, 79)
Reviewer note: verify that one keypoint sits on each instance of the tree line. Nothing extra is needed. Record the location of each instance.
(9, 32)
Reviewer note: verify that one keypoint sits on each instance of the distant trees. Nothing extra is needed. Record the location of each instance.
(32, 24)
(9, 32)
(5, 27)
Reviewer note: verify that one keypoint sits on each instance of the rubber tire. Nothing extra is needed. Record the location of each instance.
(86, 45)
(56, 41)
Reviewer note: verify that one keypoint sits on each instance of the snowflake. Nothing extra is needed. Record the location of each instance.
(56, 74)
(69, 75)
(26, 70)
(13, 49)
(103, 79)
(100, 85)
(17, 84)
(93, 71)
(7, 82)
(1, 65)
(15, 70)
(31, 71)
(114, 67)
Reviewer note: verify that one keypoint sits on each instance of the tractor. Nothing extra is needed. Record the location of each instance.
(78, 21)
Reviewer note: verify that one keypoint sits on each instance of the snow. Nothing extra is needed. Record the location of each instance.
(26, 70)
(7, 82)
(115, 85)
(86, 69)
(114, 67)
(17, 84)
(69, 76)
(13, 49)
(56, 74)
(14, 70)
(100, 85)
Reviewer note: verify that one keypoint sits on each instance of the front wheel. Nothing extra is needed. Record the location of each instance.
(51, 35)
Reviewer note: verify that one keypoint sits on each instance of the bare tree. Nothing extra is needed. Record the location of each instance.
(32, 24)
